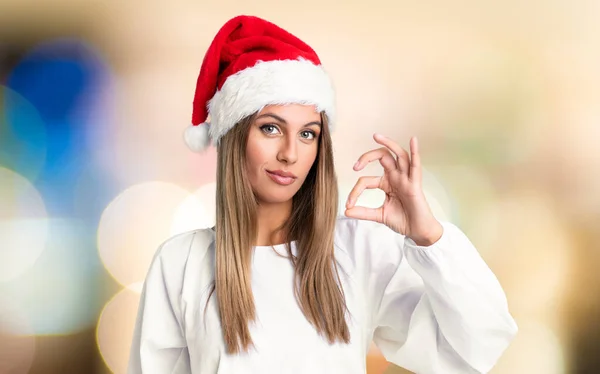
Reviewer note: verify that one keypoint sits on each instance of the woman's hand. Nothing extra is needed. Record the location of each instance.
(405, 209)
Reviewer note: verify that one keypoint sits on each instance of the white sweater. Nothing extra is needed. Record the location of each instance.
(436, 309)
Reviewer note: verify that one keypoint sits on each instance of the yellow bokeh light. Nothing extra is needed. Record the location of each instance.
(115, 327)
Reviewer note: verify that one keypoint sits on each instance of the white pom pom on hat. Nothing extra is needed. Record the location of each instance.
(252, 63)
(197, 138)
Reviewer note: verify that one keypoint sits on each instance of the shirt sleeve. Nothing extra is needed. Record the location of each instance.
(439, 309)
(159, 344)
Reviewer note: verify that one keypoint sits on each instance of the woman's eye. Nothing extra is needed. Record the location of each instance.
(268, 129)
(308, 135)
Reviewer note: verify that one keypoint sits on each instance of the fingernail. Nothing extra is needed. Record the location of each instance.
(356, 165)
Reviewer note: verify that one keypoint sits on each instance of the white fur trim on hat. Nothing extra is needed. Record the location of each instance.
(197, 137)
(267, 83)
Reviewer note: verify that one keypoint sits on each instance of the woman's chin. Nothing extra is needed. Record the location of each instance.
(275, 198)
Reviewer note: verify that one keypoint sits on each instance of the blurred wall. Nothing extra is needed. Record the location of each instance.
(504, 97)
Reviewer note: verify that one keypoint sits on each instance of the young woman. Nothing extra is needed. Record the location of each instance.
(282, 284)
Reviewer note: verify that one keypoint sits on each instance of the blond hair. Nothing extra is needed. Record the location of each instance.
(311, 224)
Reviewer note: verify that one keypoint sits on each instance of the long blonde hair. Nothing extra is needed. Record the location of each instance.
(311, 223)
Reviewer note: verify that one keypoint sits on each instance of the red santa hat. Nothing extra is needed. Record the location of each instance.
(252, 63)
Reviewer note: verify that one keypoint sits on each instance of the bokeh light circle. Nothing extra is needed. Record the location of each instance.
(114, 331)
(198, 210)
(23, 224)
(134, 225)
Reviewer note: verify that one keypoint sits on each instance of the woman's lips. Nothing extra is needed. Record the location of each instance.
(279, 179)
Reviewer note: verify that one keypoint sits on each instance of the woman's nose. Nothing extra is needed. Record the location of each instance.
(288, 151)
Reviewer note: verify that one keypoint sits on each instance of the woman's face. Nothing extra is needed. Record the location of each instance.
(282, 147)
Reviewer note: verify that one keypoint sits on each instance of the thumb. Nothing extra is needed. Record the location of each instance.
(361, 212)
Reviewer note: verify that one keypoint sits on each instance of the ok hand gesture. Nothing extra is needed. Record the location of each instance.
(405, 209)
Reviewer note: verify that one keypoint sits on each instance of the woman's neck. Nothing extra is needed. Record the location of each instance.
(269, 218)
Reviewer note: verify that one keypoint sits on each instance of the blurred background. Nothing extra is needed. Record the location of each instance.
(94, 96)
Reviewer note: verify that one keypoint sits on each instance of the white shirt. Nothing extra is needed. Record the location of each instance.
(436, 309)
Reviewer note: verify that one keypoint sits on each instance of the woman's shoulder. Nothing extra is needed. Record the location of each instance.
(175, 253)
(182, 243)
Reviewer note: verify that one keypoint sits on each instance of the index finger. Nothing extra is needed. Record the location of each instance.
(384, 140)
(382, 154)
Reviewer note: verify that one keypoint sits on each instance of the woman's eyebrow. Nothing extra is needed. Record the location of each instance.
(283, 121)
